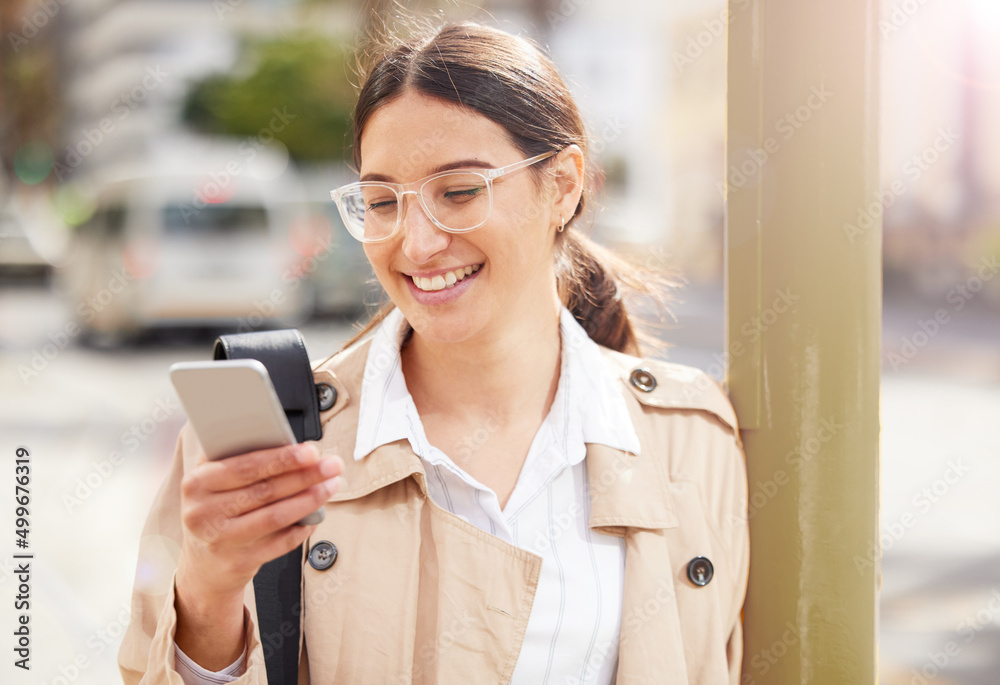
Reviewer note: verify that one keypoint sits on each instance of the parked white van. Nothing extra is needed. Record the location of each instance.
(206, 245)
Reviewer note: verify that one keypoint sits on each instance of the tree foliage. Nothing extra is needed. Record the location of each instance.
(305, 77)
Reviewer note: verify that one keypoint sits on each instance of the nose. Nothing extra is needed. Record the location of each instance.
(422, 239)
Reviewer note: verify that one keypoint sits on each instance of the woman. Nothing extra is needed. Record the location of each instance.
(511, 498)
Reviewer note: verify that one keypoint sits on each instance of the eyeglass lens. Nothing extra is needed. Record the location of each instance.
(458, 201)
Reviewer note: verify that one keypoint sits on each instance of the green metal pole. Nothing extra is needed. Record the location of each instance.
(803, 250)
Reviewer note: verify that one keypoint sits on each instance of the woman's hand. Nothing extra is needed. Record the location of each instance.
(239, 513)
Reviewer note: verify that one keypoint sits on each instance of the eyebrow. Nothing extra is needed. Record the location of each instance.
(460, 164)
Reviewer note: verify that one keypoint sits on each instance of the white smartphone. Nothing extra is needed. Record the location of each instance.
(234, 409)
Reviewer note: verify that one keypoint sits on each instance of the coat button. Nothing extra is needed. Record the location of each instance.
(700, 571)
(642, 379)
(327, 396)
(322, 555)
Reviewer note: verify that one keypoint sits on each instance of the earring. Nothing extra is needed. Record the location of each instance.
(562, 226)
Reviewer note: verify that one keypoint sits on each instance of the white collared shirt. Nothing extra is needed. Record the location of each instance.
(572, 633)
(573, 630)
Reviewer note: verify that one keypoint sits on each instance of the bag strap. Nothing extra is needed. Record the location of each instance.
(284, 355)
(278, 584)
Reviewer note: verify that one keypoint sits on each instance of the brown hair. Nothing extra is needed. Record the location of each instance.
(509, 81)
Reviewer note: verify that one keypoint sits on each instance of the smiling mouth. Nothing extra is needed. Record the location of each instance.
(445, 280)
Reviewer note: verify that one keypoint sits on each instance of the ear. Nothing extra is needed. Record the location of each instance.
(569, 176)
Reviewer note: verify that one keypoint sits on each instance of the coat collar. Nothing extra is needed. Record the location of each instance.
(627, 490)
(588, 406)
(391, 462)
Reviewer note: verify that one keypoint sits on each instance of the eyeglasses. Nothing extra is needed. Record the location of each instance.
(456, 201)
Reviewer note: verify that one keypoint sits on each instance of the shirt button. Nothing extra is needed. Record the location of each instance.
(322, 555)
(642, 379)
(700, 571)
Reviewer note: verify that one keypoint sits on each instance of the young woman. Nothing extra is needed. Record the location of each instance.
(509, 497)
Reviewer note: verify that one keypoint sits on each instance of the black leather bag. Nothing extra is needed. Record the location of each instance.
(277, 584)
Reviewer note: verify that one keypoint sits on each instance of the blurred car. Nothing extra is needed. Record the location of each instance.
(18, 254)
(187, 250)
(342, 279)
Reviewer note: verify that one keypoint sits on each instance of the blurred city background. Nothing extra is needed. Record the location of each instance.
(164, 168)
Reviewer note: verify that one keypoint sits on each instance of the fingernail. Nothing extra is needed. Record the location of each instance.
(333, 485)
(330, 466)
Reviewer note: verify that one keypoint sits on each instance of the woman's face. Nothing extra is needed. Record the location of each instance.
(510, 257)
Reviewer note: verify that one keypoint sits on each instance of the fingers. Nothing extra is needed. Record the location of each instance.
(247, 496)
(284, 513)
(241, 519)
(247, 469)
(243, 500)
(270, 474)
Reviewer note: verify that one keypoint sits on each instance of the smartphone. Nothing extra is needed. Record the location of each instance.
(234, 409)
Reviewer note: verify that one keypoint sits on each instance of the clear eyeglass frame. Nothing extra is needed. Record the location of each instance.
(416, 188)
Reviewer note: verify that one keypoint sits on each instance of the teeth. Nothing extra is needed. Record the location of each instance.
(446, 280)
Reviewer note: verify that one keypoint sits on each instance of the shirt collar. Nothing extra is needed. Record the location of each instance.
(383, 411)
(595, 395)
(588, 402)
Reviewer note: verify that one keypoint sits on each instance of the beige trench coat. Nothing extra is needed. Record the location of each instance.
(417, 595)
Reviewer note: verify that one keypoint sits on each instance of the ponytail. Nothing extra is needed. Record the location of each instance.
(596, 285)
(587, 286)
